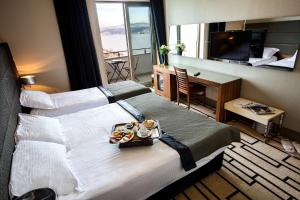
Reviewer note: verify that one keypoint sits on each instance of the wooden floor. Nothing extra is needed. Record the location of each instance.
(251, 170)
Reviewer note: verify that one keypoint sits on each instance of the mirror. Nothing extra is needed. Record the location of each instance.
(186, 34)
(270, 42)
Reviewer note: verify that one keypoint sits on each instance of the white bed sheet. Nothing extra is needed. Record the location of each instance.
(261, 61)
(107, 172)
(73, 101)
(286, 62)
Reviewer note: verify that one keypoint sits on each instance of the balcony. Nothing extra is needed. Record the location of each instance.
(142, 66)
(126, 32)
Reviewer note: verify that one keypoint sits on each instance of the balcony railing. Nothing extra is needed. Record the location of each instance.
(142, 63)
(118, 54)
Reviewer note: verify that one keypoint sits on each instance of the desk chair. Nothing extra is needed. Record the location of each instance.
(186, 87)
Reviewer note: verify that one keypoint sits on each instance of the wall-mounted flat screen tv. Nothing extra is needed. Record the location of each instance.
(232, 45)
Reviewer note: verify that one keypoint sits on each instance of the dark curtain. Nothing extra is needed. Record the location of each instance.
(78, 44)
(157, 11)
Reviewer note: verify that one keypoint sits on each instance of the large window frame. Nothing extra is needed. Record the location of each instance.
(128, 33)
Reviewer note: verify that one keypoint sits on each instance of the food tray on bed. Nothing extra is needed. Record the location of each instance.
(135, 133)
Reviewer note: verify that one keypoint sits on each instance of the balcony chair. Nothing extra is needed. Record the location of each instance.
(127, 69)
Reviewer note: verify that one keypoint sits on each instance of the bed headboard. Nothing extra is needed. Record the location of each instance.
(9, 109)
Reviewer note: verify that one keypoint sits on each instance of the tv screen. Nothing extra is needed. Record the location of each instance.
(257, 43)
(234, 45)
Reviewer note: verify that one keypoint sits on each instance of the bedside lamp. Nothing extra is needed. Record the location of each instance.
(27, 80)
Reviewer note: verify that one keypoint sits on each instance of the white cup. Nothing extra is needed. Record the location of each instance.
(143, 131)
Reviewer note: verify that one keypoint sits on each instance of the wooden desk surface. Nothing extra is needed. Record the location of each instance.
(228, 86)
(206, 75)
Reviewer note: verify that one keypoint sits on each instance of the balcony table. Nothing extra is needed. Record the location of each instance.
(117, 66)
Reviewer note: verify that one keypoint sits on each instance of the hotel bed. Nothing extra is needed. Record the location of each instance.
(73, 101)
(107, 172)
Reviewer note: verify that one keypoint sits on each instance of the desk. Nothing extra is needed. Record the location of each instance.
(228, 87)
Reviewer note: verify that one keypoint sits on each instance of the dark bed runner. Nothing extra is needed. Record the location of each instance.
(123, 90)
(201, 135)
(184, 152)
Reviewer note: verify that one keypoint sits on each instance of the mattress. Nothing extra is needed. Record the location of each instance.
(188, 128)
(261, 61)
(73, 101)
(124, 90)
(107, 172)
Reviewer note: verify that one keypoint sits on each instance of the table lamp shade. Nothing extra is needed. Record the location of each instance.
(28, 80)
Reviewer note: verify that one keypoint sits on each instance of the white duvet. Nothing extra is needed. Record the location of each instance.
(261, 61)
(73, 101)
(107, 172)
(286, 62)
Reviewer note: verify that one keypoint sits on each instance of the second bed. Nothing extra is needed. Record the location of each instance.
(74, 101)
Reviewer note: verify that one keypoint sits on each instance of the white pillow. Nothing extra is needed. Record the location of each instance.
(36, 99)
(39, 128)
(41, 164)
(269, 52)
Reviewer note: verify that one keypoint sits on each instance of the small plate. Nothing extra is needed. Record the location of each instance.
(129, 136)
(128, 126)
(154, 125)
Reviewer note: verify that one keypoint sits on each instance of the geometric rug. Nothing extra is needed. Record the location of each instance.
(251, 169)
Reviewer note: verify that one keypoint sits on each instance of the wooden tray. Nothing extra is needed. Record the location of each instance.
(137, 141)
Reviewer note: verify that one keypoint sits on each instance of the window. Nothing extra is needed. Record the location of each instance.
(126, 35)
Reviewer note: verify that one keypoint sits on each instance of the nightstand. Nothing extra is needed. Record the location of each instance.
(236, 106)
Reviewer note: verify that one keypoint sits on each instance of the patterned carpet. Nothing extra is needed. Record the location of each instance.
(251, 170)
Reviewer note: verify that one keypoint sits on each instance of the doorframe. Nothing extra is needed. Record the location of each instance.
(125, 6)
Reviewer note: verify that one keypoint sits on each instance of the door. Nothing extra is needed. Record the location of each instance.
(126, 36)
(138, 17)
(112, 23)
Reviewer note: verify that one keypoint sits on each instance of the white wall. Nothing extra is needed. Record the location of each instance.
(31, 30)
(274, 87)
(91, 5)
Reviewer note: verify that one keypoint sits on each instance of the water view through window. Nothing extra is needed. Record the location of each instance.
(126, 36)
(112, 28)
(113, 32)
(140, 29)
